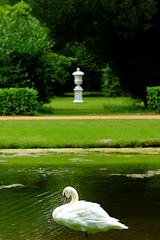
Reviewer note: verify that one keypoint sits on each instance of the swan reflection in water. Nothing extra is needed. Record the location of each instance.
(84, 216)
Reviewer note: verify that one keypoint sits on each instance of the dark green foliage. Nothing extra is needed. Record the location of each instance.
(92, 19)
(8, 2)
(21, 34)
(153, 98)
(86, 61)
(18, 101)
(23, 42)
(96, 32)
(26, 59)
(125, 32)
(111, 85)
(53, 72)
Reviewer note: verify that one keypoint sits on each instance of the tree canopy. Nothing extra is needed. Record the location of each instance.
(123, 33)
(26, 59)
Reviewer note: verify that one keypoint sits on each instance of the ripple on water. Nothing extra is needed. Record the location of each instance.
(11, 186)
(139, 175)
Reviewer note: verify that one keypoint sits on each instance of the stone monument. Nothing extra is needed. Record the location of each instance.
(78, 89)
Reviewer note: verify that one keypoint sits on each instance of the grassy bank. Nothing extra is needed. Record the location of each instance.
(93, 106)
(79, 133)
(81, 157)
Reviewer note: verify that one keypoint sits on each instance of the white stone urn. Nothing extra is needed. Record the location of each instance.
(78, 77)
(78, 89)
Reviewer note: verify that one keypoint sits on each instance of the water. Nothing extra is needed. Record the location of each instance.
(126, 186)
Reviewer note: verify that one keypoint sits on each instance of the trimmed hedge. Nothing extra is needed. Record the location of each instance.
(153, 98)
(18, 101)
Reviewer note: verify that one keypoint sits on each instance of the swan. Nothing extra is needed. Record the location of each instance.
(84, 216)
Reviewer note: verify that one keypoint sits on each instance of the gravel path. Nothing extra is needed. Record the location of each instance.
(79, 117)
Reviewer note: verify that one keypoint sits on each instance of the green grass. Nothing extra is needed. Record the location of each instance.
(117, 161)
(93, 106)
(79, 133)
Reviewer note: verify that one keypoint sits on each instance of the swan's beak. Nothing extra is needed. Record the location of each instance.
(65, 199)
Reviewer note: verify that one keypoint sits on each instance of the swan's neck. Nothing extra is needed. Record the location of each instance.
(74, 196)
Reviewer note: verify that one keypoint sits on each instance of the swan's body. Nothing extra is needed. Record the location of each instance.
(84, 216)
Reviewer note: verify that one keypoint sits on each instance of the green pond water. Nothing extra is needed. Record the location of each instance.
(126, 185)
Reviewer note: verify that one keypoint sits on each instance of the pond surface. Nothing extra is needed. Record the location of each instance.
(126, 185)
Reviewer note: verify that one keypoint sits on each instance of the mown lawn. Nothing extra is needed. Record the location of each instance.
(93, 106)
(79, 133)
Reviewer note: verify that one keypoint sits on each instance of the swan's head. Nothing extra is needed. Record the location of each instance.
(70, 191)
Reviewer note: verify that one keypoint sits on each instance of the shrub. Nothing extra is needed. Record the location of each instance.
(111, 86)
(53, 71)
(153, 98)
(18, 101)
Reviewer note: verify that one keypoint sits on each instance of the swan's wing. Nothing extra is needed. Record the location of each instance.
(85, 216)
(85, 211)
(92, 210)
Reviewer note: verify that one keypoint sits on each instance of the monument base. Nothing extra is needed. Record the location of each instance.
(78, 94)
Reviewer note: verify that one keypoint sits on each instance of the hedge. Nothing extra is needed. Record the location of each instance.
(18, 101)
(153, 98)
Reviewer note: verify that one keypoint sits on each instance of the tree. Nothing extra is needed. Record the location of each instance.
(111, 86)
(139, 66)
(124, 32)
(8, 2)
(95, 21)
(111, 30)
(25, 48)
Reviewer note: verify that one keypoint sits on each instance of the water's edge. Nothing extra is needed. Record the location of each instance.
(149, 150)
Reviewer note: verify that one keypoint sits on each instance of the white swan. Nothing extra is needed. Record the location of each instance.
(84, 216)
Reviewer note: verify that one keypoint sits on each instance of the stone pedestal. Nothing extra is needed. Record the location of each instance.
(78, 94)
(78, 89)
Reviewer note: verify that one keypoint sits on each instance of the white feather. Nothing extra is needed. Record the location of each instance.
(84, 216)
